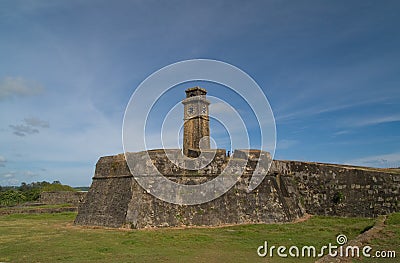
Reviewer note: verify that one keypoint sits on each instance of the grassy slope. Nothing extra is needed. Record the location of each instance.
(389, 239)
(51, 237)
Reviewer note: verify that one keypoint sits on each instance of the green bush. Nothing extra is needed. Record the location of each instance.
(337, 198)
(11, 197)
(56, 188)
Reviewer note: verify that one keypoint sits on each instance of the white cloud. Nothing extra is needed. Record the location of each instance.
(23, 130)
(375, 120)
(384, 160)
(15, 177)
(286, 112)
(3, 161)
(25, 173)
(30, 127)
(8, 175)
(8, 178)
(9, 181)
(30, 173)
(35, 122)
(342, 132)
(18, 87)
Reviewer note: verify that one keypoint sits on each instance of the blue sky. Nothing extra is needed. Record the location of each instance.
(330, 70)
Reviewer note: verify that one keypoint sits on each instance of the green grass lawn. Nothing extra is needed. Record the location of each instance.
(52, 237)
(28, 207)
(388, 241)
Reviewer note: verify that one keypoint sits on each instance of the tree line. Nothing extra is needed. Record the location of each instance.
(14, 195)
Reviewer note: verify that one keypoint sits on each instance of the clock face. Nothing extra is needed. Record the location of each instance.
(190, 110)
(204, 110)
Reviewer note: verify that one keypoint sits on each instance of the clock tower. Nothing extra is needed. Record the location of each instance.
(196, 121)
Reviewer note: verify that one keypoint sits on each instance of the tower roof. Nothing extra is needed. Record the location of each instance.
(195, 91)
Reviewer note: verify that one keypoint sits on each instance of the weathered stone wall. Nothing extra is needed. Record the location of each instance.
(115, 199)
(329, 189)
(62, 197)
(106, 202)
(288, 191)
(267, 204)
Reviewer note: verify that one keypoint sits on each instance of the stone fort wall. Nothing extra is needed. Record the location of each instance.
(62, 197)
(339, 190)
(289, 190)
